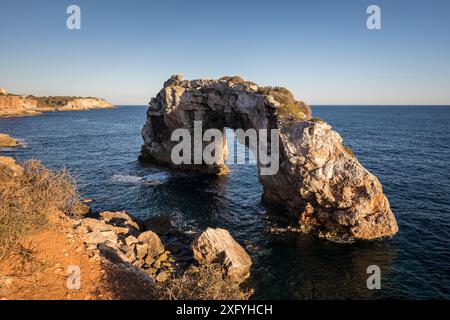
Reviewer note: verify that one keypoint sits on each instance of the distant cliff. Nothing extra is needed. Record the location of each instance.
(12, 105)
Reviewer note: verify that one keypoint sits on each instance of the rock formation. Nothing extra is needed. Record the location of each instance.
(122, 239)
(218, 246)
(319, 184)
(7, 141)
(113, 251)
(85, 104)
(14, 105)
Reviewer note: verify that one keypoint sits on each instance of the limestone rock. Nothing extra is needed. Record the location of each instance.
(23, 105)
(161, 225)
(7, 141)
(86, 104)
(121, 219)
(94, 225)
(218, 246)
(153, 242)
(130, 240)
(319, 184)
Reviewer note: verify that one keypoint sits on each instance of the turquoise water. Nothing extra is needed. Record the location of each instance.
(407, 147)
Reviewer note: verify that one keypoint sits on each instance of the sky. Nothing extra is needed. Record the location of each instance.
(321, 50)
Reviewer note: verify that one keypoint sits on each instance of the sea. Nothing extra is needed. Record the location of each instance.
(406, 147)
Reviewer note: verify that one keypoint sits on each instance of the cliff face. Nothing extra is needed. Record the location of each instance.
(16, 105)
(13, 105)
(319, 183)
(86, 104)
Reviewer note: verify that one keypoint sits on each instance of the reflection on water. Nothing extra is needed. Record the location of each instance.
(101, 148)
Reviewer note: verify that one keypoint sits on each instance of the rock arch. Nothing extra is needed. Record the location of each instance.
(320, 184)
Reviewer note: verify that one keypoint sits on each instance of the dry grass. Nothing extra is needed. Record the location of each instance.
(204, 282)
(280, 94)
(293, 111)
(27, 198)
(317, 119)
(290, 109)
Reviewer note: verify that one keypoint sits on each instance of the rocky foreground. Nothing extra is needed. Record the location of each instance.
(320, 185)
(13, 105)
(116, 256)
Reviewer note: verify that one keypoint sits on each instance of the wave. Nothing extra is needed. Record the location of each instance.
(153, 179)
(126, 178)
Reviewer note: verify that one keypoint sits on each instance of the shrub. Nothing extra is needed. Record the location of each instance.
(237, 80)
(27, 197)
(204, 282)
(52, 102)
(292, 111)
(280, 94)
(290, 108)
(317, 119)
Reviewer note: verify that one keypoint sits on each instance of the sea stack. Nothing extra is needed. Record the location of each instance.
(320, 184)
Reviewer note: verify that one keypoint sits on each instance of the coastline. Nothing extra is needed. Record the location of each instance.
(12, 105)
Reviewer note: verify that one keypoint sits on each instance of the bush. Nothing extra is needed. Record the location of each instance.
(292, 111)
(27, 197)
(237, 80)
(280, 94)
(204, 282)
(290, 108)
(317, 119)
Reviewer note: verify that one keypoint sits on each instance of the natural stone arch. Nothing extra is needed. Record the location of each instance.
(321, 185)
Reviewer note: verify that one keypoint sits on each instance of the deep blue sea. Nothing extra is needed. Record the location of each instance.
(407, 147)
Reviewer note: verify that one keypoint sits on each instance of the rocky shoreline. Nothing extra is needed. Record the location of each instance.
(14, 105)
(6, 141)
(132, 247)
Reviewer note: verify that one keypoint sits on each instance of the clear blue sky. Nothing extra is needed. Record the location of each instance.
(319, 49)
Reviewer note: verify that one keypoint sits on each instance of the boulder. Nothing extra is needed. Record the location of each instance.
(6, 141)
(153, 243)
(218, 246)
(130, 240)
(94, 225)
(120, 219)
(101, 237)
(161, 225)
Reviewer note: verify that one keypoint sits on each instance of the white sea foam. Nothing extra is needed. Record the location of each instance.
(126, 178)
(156, 178)
(153, 179)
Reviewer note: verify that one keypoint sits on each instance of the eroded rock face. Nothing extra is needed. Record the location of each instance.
(86, 104)
(6, 141)
(12, 105)
(218, 246)
(319, 183)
